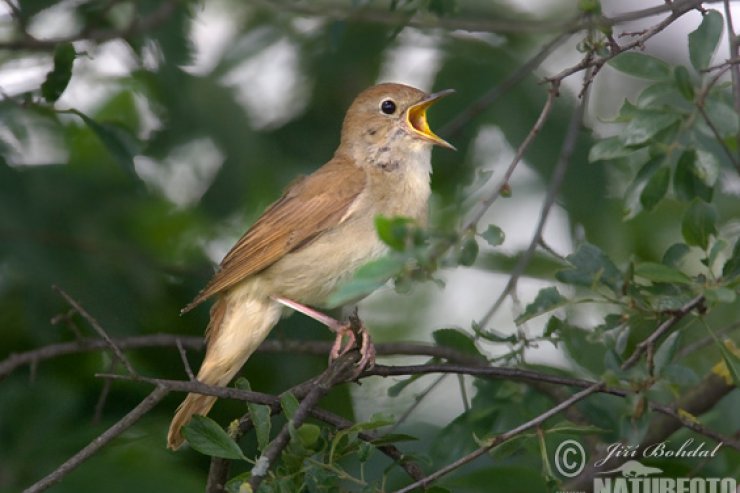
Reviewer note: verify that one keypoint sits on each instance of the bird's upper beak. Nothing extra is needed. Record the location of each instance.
(416, 116)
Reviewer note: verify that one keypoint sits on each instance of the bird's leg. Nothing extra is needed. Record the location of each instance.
(354, 330)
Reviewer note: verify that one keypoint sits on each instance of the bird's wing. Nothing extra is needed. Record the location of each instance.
(305, 211)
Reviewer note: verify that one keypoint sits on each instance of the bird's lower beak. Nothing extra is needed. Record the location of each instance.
(416, 116)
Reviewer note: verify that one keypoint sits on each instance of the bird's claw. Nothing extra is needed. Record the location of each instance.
(354, 330)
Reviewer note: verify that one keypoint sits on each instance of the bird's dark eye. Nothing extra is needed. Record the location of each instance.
(388, 107)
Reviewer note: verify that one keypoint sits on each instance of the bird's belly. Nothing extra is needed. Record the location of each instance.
(310, 274)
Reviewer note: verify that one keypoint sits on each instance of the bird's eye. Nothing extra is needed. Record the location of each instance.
(388, 107)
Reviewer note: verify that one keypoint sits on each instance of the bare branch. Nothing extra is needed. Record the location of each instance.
(499, 439)
(184, 358)
(556, 180)
(536, 128)
(317, 348)
(457, 123)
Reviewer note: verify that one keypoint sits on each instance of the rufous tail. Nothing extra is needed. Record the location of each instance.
(239, 323)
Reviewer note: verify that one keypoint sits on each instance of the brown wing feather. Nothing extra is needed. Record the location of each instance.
(306, 209)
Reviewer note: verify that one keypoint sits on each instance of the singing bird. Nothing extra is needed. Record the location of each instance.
(317, 234)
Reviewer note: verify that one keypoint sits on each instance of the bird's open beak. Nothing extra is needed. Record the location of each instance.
(416, 116)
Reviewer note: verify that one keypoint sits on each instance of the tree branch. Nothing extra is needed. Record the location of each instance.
(137, 26)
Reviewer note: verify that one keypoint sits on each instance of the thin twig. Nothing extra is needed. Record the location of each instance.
(184, 358)
(418, 398)
(677, 9)
(521, 150)
(98, 328)
(661, 330)
(499, 439)
(339, 371)
(556, 180)
(456, 124)
(122, 425)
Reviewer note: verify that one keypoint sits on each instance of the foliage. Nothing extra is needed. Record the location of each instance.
(124, 186)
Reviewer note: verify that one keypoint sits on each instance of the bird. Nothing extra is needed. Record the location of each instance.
(317, 234)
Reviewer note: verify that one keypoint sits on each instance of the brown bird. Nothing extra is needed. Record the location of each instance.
(317, 234)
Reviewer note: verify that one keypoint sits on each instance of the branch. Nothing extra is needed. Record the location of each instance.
(135, 27)
(122, 425)
(338, 372)
(457, 123)
(482, 23)
(499, 439)
(556, 180)
(677, 8)
(697, 401)
(661, 330)
(317, 348)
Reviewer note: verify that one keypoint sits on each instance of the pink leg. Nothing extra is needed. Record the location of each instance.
(367, 349)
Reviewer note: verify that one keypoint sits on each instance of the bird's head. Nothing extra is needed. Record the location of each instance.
(390, 117)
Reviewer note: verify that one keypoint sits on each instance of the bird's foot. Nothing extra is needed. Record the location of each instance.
(354, 330)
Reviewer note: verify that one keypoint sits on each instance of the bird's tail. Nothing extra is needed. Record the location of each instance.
(239, 323)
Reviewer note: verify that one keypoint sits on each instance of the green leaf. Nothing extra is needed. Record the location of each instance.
(259, 414)
(456, 339)
(591, 266)
(691, 180)
(703, 42)
(729, 355)
(720, 295)
(661, 273)
(239, 483)
(58, 79)
(655, 189)
(699, 224)
(494, 235)
(547, 299)
(398, 387)
(665, 352)
(393, 231)
(570, 428)
(389, 438)
(609, 148)
(717, 248)
(117, 140)
(683, 82)
(674, 254)
(722, 115)
(308, 434)
(646, 124)
(289, 404)
(207, 437)
(367, 279)
(468, 252)
(731, 268)
(640, 65)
